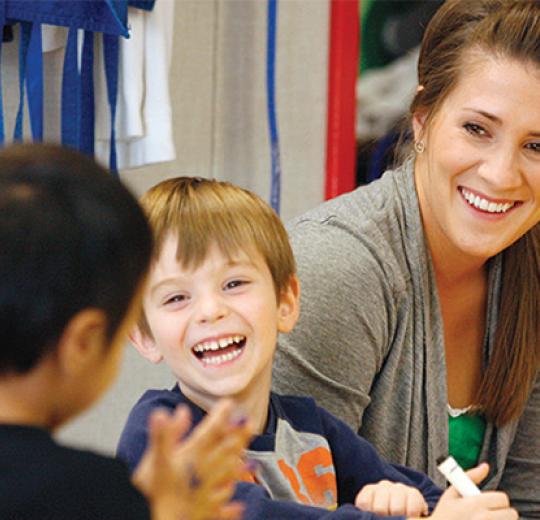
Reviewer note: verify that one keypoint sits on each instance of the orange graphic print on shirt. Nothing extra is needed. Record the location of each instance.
(300, 468)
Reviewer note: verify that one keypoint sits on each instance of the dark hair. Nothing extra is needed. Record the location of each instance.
(507, 29)
(72, 237)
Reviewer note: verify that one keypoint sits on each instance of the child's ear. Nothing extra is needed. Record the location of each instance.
(82, 340)
(145, 345)
(289, 306)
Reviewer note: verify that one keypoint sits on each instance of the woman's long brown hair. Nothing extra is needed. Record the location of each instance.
(508, 29)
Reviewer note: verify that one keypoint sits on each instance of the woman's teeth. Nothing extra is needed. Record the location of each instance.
(484, 204)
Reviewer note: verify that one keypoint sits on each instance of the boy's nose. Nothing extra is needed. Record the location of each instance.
(211, 309)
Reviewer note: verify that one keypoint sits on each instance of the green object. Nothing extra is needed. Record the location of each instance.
(465, 438)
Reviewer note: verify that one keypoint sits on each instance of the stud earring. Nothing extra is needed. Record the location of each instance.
(419, 146)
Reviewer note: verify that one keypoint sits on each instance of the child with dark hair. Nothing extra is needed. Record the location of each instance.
(75, 248)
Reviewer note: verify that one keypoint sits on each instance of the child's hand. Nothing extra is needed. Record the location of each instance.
(490, 505)
(391, 498)
(193, 479)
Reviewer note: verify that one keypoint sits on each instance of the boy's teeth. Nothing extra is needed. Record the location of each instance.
(484, 204)
(217, 360)
(217, 344)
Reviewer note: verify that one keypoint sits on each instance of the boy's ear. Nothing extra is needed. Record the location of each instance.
(289, 306)
(145, 345)
(82, 340)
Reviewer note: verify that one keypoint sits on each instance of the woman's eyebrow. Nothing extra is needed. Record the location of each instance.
(489, 116)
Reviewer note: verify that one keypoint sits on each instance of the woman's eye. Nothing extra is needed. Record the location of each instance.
(475, 129)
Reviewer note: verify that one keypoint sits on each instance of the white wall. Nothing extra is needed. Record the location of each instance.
(220, 124)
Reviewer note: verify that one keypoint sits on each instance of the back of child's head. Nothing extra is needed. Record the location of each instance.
(201, 212)
(72, 237)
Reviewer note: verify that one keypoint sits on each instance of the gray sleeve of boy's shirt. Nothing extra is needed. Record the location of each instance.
(521, 477)
(346, 317)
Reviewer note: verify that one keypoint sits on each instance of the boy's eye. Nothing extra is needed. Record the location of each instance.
(475, 129)
(233, 284)
(177, 298)
(535, 147)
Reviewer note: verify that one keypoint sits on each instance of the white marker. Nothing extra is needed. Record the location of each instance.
(457, 477)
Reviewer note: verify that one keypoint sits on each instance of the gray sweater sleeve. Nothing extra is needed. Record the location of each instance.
(521, 477)
(339, 344)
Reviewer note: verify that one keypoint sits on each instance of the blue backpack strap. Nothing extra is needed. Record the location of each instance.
(275, 190)
(26, 31)
(87, 95)
(111, 53)
(34, 82)
(71, 84)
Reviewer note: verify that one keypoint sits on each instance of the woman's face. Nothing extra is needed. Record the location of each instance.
(478, 180)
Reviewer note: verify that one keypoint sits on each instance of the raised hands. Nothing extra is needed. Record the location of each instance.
(194, 478)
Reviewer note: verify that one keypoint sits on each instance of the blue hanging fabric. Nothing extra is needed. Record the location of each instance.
(71, 98)
(87, 117)
(106, 16)
(31, 74)
(275, 189)
(26, 31)
(111, 54)
(34, 82)
(77, 112)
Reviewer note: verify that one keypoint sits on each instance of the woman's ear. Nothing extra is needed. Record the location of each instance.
(419, 121)
(289, 306)
(145, 345)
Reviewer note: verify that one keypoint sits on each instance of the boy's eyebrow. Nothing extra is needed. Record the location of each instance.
(174, 279)
(168, 281)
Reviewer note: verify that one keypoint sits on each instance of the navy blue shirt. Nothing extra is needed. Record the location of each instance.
(311, 465)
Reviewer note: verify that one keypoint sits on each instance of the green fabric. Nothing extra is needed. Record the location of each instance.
(465, 438)
(374, 14)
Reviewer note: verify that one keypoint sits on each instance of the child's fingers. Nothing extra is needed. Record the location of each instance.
(364, 498)
(210, 430)
(415, 504)
(208, 460)
(181, 421)
(158, 440)
(207, 503)
(400, 497)
(228, 472)
(231, 511)
(381, 501)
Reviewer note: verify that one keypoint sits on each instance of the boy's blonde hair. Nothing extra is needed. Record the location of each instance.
(201, 212)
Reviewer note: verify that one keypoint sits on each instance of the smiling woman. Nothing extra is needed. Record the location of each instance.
(421, 291)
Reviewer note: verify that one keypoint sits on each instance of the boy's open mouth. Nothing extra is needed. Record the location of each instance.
(219, 351)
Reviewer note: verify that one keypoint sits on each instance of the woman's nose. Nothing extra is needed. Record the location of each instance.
(501, 170)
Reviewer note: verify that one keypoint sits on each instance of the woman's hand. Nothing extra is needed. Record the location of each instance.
(193, 479)
(490, 505)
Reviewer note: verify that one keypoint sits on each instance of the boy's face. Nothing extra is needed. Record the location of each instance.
(216, 326)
